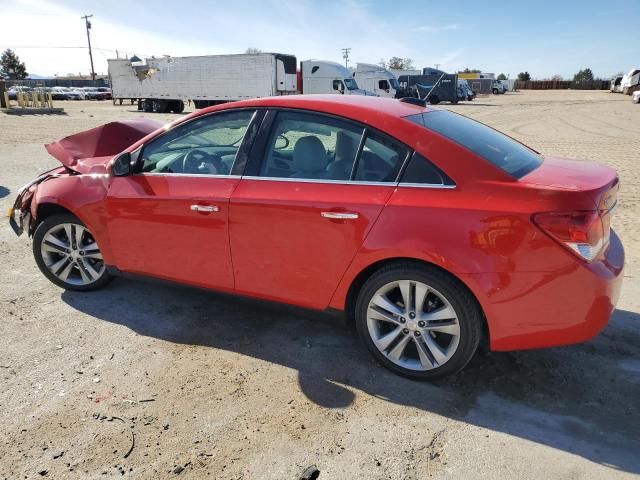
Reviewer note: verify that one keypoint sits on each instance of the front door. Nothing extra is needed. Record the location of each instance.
(170, 218)
(314, 187)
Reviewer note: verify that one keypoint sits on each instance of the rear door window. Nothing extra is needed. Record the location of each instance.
(380, 159)
(505, 153)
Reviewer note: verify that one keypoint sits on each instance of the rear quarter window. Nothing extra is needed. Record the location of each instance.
(505, 153)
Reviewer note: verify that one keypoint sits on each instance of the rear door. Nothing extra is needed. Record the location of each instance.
(170, 218)
(312, 190)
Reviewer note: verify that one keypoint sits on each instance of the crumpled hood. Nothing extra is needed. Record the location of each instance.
(89, 151)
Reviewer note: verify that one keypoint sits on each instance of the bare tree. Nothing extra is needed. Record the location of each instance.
(253, 50)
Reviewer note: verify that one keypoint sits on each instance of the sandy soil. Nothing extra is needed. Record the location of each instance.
(212, 386)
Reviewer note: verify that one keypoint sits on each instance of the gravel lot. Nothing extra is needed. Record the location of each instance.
(232, 389)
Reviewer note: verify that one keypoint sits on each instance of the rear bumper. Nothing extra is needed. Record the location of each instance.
(545, 309)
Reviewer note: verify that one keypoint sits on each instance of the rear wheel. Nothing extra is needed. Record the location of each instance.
(418, 321)
(495, 91)
(159, 106)
(434, 100)
(67, 254)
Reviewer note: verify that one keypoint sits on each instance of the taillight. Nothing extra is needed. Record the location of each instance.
(581, 232)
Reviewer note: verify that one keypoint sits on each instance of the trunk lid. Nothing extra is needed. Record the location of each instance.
(562, 174)
(89, 151)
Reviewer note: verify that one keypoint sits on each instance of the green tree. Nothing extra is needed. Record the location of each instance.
(473, 70)
(524, 76)
(11, 67)
(502, 76)
(398, 63)
(585, 75)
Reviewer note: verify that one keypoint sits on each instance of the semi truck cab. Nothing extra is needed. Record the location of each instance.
(320, 76)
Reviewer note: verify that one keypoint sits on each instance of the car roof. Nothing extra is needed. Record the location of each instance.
(366, 109)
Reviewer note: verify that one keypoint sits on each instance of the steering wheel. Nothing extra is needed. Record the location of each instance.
(196, 160)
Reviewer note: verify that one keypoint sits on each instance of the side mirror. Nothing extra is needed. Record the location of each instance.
(121, 165)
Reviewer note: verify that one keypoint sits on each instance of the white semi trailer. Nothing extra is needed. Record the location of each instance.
(164, 84)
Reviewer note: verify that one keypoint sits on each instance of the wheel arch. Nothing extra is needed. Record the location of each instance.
(360, 279)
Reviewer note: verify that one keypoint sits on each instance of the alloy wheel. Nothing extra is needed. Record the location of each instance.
(413, 325)
(71, 253)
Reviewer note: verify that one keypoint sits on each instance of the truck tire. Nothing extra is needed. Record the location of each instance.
(176, 106)
(159, 106)
(495, 91)
(147, 105)
(434, 100)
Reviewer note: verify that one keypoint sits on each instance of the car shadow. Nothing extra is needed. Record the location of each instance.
(581, 399)
(4, 191)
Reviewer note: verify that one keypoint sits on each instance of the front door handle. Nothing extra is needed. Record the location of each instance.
(205, 208)
(340, 215)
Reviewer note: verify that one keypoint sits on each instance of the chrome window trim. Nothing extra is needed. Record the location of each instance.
(426, 185)
(320, 180)
(177, 174)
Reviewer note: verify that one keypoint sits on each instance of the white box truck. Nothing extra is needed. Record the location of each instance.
(164, 84)
(322, 76)
(377, 79)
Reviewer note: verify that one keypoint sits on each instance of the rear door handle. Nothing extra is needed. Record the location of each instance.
(205, 208)
(340, 215)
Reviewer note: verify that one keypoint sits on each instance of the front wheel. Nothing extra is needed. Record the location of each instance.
(67, 254)
(418, 321)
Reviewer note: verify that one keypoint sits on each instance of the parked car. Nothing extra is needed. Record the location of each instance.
(635, 96)
(64, 93)
(81, 93)
(95, 93)
(105, 93)
(13, 91)
(431, 231)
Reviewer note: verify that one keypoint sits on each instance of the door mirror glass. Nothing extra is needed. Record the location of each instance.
(121, 166)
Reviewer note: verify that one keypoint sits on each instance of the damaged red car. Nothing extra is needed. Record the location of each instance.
(432, 232)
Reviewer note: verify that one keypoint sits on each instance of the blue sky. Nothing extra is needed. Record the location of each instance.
(542, 37)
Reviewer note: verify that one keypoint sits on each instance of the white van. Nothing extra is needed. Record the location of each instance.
(321, 76)
(377, 79)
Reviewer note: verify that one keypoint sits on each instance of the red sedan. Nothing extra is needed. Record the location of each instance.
(431, 231)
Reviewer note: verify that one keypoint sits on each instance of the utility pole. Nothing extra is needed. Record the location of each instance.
(88, 25)
(345, 55)
(437, 65)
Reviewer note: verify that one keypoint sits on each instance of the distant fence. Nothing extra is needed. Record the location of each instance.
(58, 82)
(562, 84)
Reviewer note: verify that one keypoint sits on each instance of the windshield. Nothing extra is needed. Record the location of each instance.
(394, 83)
(505, 153)
(350, 84)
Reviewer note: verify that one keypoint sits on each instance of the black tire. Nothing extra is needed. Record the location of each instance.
(470, 317)
(147, 105)
(434, 100)
(159, 106)
(38, 237)
(495, 91)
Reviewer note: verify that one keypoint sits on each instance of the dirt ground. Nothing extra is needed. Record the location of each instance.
(212, 386)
